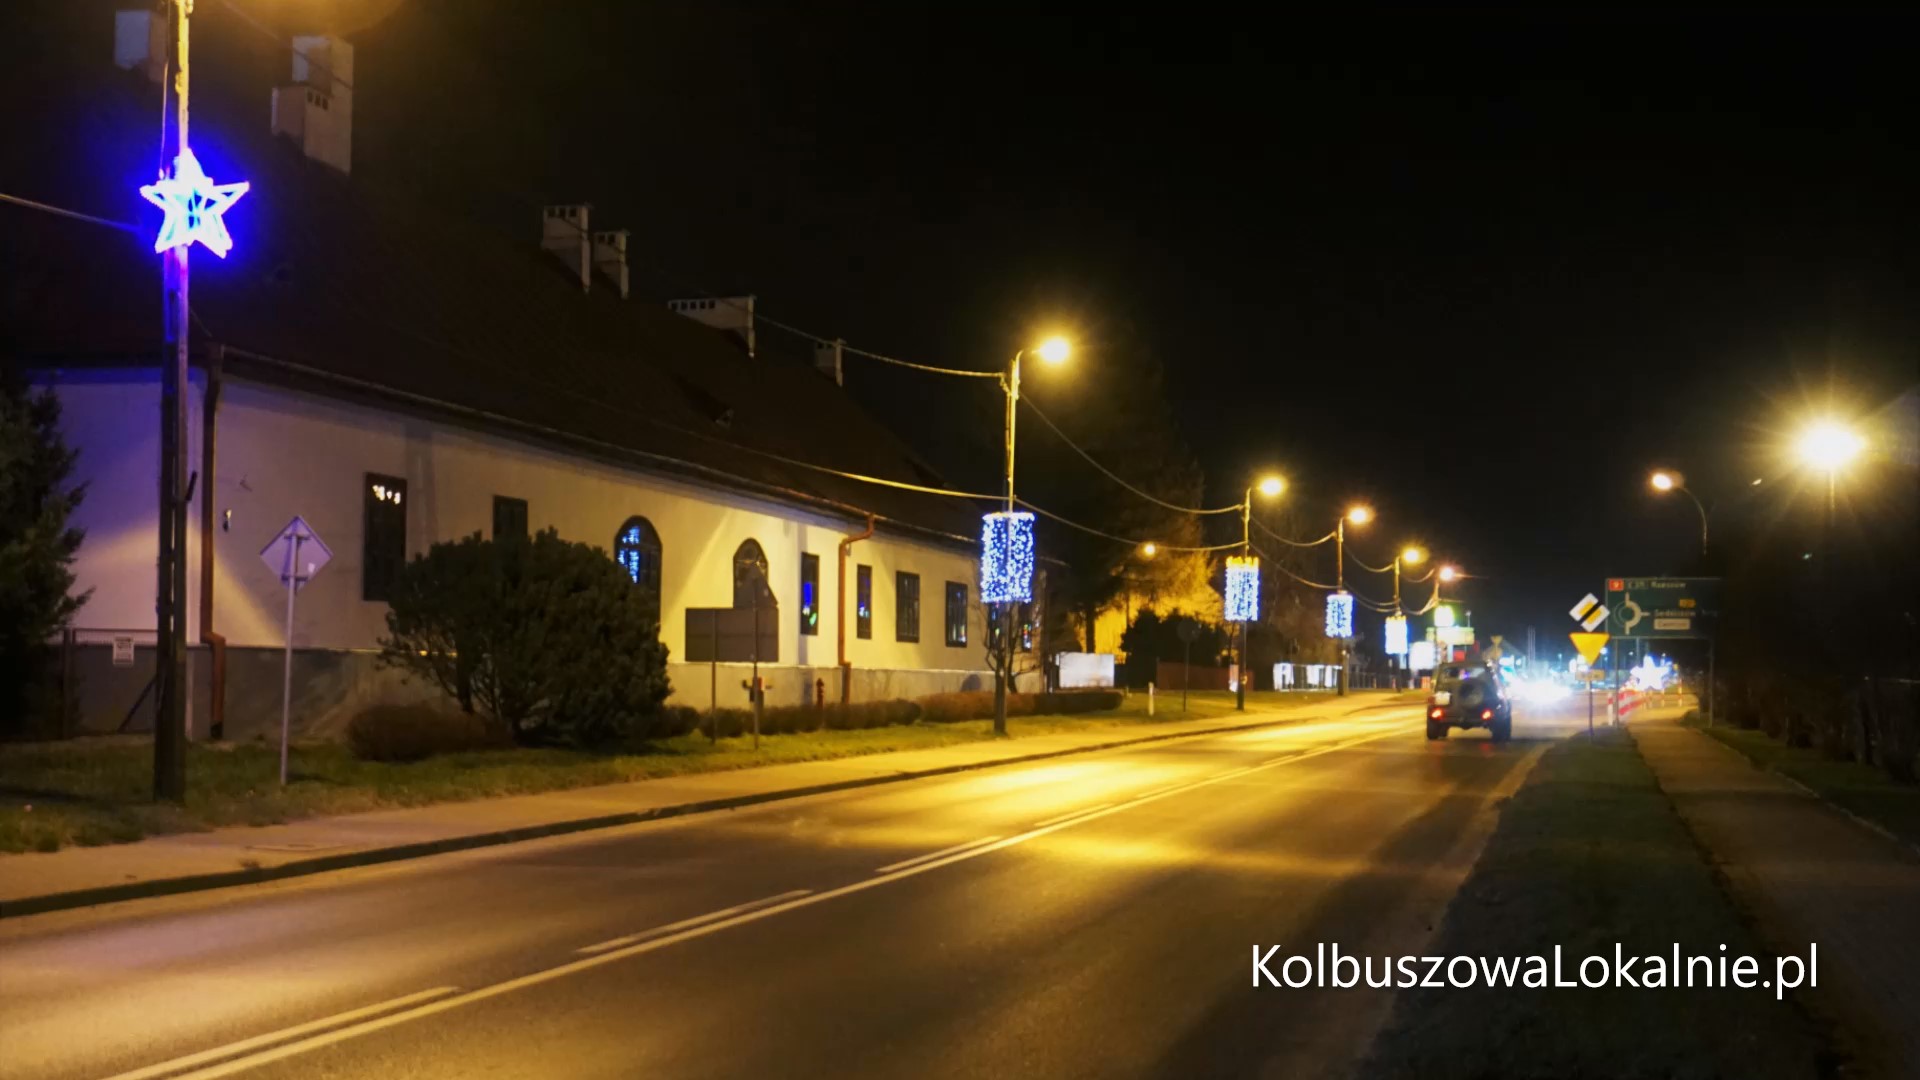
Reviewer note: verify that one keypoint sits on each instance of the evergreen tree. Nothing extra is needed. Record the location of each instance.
(37, 543)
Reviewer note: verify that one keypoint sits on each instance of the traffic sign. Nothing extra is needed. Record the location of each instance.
(1589, 612)
(296, 554)
(1663, 607)
(1589, 645)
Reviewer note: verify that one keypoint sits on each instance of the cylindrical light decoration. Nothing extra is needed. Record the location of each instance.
(1243, 588)
(1443, 616)
(1340, 614)
(1396, 635)
(1006, 558)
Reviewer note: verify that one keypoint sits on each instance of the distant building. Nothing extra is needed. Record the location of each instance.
(398, 378)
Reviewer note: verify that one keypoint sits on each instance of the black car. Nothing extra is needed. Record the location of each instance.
(1469, 695)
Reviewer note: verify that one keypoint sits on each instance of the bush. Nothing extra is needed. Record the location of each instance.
(550, 638)
(1077, 701)
(413, 732)
(978, 704)
(792, 719)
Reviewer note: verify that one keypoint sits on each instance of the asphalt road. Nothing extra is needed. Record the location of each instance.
(1088, 916)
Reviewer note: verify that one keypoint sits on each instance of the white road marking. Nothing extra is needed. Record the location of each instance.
(943, 852)
(271, 1037)
(588, 963)
(697, 920)
(1064, 818)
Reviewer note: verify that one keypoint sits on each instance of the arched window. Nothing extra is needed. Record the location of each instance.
(637, 548)
(750, 577)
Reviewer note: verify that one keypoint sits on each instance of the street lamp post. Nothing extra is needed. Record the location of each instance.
(1664, 481)
(1412, 556)
(1359, 515)
(1053, 351)
(1271, 487)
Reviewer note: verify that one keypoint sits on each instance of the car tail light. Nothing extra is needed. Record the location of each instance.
(1486, 714)
(1437, 713)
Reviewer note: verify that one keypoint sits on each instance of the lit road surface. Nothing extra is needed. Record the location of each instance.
(1085, 916)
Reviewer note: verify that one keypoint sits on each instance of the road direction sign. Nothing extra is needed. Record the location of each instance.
(1663, 607)
(1589, 645)
(1589, 612)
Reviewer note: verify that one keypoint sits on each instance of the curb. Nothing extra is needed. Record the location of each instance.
(153, 887)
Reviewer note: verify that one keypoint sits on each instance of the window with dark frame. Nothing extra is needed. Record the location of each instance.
(906, 606)
(809, 593)
(956, 614)
(384, 539)
(863, 612)
(509, 517)
(636, 547)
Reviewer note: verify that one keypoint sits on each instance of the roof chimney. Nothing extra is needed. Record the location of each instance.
(829, 357)
(140, 41)
(610, 257)
(317, 110)
(563, 231)
(731, 313)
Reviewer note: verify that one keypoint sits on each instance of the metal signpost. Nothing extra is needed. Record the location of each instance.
(296, 554)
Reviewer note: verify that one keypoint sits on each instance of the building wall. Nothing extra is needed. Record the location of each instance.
(284, 452)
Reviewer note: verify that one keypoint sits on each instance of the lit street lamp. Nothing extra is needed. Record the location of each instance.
(1359, 515)
(1449, 574)
(1054, 350)
(1829, 446)
(1664, 481)
(1270, 486)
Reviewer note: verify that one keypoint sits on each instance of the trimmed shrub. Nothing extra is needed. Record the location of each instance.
(413, 732)
(1077, 701)
(676, 720)
(794, 719)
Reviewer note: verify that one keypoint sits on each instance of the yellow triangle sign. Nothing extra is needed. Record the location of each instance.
(1589, 645)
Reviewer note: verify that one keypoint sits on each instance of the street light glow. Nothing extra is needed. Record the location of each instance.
(1149, 549)
(1360, 515)
(1054, 350)
(1664, 481)
(1828, 445)
(1413, 556)
(1272, 486)
(1448, 573)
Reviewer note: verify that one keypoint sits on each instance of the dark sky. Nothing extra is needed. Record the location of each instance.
(1478, 269)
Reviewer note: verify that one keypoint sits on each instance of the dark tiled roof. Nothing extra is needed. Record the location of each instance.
(334, 273)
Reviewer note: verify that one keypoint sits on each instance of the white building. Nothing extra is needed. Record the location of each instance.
(397, 379)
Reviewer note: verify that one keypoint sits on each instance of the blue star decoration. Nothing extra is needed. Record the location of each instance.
(193, 205)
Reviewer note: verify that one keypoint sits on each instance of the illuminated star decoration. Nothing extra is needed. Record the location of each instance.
(193, 205)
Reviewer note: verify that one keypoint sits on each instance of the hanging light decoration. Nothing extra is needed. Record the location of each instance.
(194, 206)
(1006, 558)
(1396, 635)
(1340, 614)
(1243, 588)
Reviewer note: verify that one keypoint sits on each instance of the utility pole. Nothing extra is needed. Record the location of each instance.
(1246, 551)
(170, 607)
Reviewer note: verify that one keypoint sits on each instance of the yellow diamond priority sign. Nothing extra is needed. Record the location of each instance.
(1589, 645)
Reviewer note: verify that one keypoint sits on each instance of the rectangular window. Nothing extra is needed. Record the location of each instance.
(863, 614)
(385, 536)
(906, 606)
(809, 593)
(509, 517)
(956, 614)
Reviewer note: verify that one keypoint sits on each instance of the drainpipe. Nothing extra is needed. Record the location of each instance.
(216, 642)
(840, 623)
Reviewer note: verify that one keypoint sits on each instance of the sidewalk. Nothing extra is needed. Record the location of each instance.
(1807, 873)
(184, 862)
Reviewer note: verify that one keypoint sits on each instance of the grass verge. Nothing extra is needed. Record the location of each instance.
(97, 791)
(1588, 853)
(1863, 789)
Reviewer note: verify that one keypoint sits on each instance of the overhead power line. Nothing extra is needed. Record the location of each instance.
(1109, 473)
(1296, 543)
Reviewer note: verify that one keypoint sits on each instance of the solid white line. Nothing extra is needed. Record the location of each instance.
(1082, 812)
(297, 1030)
(588, 963)
(697, 920)
(904, 863)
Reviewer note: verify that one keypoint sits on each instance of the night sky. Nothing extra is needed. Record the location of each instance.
(1479, 270)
